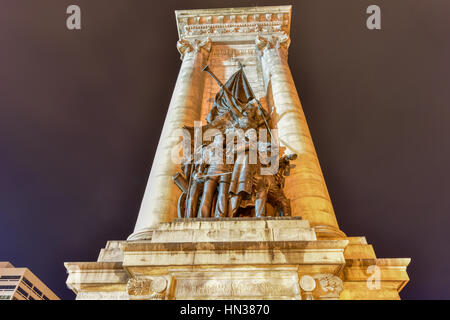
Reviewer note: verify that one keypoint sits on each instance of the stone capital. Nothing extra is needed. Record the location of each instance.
(279, 43)
(195, 45)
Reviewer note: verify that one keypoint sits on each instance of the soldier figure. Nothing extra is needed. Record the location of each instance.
(224, 188)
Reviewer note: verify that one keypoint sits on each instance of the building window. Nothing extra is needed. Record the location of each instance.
(22, 292)
(10, 277)
(30, 298)
(45, 297)
(5, 297)
(38, 292)
(27, 282)
(7, 287)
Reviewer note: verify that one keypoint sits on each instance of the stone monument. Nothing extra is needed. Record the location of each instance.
(225, 230)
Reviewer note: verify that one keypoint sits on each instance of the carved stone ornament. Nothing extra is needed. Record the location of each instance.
(184, 46)
(230, 28)
(206, 22)
(307, 283)
(138, 287)
(158, 284)
(330, 284)
(272, 42)
(147, 288)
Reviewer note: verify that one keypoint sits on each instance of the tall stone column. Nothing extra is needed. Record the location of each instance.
(160, 197)
(305, 186)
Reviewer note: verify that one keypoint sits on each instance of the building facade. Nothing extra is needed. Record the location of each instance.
(305, 256)
(22, 284)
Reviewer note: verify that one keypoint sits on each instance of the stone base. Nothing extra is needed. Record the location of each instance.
(267, 258)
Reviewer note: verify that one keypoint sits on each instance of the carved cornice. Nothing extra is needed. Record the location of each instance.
(217, 23)
(195, 45)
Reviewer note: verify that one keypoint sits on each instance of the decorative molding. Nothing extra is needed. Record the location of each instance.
(325, 232)
(218, 22)
(231, 52)
(232, 28)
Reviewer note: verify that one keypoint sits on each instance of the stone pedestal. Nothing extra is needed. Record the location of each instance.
(267, 258)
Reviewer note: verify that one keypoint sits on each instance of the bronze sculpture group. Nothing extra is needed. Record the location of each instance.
(227, 179)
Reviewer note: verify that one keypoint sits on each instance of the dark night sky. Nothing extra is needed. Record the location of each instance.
(81, 113)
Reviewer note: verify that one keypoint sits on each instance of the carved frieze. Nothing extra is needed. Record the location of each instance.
(234, 21)
(231, 28)
(188, 288)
